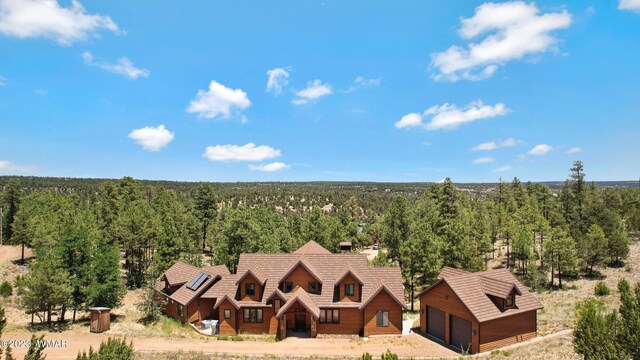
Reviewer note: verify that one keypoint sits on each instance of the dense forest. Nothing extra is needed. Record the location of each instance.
(93, 239)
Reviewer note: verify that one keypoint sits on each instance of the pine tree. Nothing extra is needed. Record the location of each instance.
(107, 288)
(48, 287)
(11, 201)
(205, 208)
(593, 248)
(595, 333)
(35, 351)
(396, 227)
(629, 336)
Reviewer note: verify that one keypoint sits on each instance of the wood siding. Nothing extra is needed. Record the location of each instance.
(249, 279)
(356, 289)
(300, 277)
(227, 326)
(382, 301)
(350, 323)
(508, 330)
(267, 326)
(443, 298)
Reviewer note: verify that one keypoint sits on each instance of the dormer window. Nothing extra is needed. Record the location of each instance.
(250, 289)
(348, 289)
(288, 286)
(510, 301)
(312, 287)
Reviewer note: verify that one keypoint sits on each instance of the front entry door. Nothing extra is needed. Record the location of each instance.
(301, 322)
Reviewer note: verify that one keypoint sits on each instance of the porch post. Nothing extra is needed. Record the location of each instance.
(314, 330)
(283, 327)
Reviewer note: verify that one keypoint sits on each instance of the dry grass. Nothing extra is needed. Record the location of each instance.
(559, 306)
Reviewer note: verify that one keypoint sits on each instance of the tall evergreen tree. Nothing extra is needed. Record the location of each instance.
(396, 227)
(11, 201)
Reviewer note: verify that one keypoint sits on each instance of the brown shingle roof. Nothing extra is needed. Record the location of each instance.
(473, 290)
(348, 269)
(312, 247)
(181, 273)
(327, 267)
(378, 287)
(304, 299)
(256, 273)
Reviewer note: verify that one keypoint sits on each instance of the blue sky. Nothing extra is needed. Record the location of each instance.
(360, 90)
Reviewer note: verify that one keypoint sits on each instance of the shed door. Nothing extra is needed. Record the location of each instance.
(435, 324)
(460, 333)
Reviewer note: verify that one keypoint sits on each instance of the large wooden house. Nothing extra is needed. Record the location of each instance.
(478, 312)
(311, 291)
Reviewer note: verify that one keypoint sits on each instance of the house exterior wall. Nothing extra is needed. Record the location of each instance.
(350, 323)
(249, 279)
(170, 308)
(264, 327)
(227, 326)
(356, 289)
(443, 298)
(300, 277)
(382, 301)
(508, 330)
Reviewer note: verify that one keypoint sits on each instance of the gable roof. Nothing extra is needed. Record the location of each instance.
(312, 247)
(473, 289)
(348, 269)
(179, 273)
(305, 264)
(256, 273)
(304, 299)
(326, 267)
(378, 287)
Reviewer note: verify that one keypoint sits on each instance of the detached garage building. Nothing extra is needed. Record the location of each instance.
(477, 312)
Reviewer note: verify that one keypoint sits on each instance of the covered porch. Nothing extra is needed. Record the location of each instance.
(298, 316)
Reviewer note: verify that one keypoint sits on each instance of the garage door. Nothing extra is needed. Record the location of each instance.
(460, 333)
(435, 322)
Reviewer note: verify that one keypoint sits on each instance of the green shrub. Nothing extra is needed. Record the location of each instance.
(389, 356)
(113, 349)
(6, 289)
(366, 356)
(602, 289)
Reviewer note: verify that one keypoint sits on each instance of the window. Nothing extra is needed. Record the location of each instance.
(250, 289)
(509, 302)
(180, 310)
(288, 286)
(348, 290)
(253, 315)
(382, 318)
(227, 313)
(312, 287)
(330, 316)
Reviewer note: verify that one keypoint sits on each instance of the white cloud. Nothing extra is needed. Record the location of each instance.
(271, 167)
(540, 149)
(46, 18)
(574, 150)
(314, 90)
(152, 138)
(7, 167)
(363, 83)
(449, 116)
(492, 145)
(409, 120)
(503, 168)
(248, 152)
(219, 100)
(484, 160)
(633, 5)
(277, 80)
(513, 30)
(124, 66)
